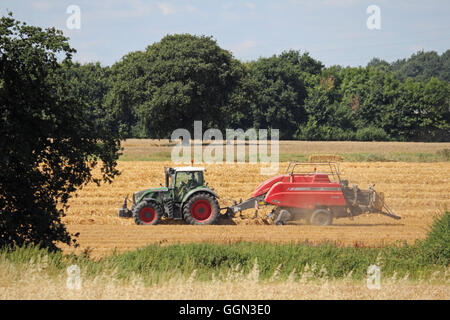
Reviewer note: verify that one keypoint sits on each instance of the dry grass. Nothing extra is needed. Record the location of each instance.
(32, 282)
(242, 290)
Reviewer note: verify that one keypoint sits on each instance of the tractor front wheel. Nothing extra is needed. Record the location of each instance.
(202, 208)
(147, 213)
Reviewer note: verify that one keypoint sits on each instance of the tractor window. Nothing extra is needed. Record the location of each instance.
(191, 177)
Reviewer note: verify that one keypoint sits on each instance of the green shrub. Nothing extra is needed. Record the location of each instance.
(312, 131)
(435, 249)
(377, 157)
(371, 134)
(444, 154)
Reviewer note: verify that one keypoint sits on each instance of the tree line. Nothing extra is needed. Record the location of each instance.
(183, 78)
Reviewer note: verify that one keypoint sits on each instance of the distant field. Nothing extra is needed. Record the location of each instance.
(160, 150)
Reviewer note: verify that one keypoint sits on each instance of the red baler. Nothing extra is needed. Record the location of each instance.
(316, 196)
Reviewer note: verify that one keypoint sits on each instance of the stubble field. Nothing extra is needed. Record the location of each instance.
(417, 191)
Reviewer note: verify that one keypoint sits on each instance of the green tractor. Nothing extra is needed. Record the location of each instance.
(185, 196)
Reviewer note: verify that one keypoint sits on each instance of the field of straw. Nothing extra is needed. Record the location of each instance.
(415, 191)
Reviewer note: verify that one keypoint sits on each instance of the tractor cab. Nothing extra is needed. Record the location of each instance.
(183, 179)
(180, 176)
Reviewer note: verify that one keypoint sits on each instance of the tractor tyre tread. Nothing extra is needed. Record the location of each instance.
(201, 196)
(143, 204)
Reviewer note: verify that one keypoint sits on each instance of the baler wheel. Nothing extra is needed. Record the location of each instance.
(321, 217)
(283, 216)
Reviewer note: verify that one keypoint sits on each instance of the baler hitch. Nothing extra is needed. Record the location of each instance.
(241, 206)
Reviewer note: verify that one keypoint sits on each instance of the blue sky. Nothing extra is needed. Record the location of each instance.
(333, 31)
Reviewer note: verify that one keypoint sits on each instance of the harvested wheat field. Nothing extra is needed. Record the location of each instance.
(415, 191)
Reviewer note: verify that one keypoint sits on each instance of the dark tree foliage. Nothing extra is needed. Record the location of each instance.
(281, 83)
(377, 62)
(174, 82)
(50, 141)
(372, 104)
(328, 118)
(422, 66)
(89, 85)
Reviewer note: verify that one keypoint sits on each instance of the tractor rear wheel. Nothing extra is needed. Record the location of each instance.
(321, 217)
(147, 213)
(202, 208)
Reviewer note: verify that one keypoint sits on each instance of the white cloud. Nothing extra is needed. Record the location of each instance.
(166, 8)
(244, 47)
(42, 4)
(251, 5)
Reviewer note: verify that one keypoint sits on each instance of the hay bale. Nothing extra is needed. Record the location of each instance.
(325, 158)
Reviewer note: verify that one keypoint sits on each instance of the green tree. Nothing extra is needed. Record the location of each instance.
(281, 83)
(49, 143)
(328, 118)
(435, 113)
(403, 115)
(380, 63)
(129, 92)
(304, 61)
(372, 93)
(354, 90)
(89, 85)
(237, 112)
(174, 82)
(444, 75)
(420, 66)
